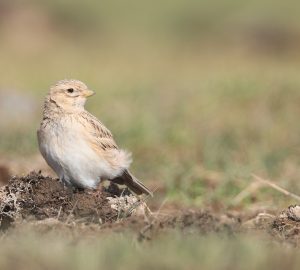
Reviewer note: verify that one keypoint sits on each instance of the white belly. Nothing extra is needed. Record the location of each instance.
(72, 158)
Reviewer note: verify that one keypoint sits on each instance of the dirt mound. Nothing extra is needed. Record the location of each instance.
(286, 226)
(44, 203)
(38, 197)
(191, 222)
(283, 227)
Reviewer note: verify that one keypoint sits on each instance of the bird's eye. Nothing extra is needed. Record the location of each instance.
(70, 90)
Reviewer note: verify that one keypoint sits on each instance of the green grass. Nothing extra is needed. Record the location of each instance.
(121, 251)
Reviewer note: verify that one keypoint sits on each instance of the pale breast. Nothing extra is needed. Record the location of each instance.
(65, 147)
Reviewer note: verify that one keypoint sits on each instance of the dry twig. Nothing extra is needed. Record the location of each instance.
(248, 191)
(278, 188)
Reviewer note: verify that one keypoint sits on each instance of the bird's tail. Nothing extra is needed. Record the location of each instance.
(132, 183)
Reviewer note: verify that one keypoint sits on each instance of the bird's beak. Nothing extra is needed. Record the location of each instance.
(88, 93)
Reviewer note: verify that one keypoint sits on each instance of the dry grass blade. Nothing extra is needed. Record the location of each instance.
(278, 188)
(140, 202)
(150, 225)
(59, 211)
(71, 212)
(248, 191)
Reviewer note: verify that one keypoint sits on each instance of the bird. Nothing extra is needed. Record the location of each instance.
(77, 146)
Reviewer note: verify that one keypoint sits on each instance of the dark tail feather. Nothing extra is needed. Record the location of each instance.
(132, 183)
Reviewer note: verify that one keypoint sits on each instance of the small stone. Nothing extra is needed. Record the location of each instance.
(293, 213)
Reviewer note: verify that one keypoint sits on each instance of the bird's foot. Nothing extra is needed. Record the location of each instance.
(97, 191)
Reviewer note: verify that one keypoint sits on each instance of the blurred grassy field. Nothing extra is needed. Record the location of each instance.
(186, 86)
(203, 93)
(123, 252)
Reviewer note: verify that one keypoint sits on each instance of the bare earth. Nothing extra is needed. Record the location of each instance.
(43, 202)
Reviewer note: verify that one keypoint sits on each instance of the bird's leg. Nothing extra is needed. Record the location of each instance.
(70, 190)
(98, 190)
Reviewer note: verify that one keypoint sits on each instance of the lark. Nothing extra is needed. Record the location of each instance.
(77, 146)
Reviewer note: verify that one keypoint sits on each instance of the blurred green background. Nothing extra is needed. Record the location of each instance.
(203, 93)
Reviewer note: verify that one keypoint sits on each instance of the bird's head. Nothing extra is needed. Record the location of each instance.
(69, 94)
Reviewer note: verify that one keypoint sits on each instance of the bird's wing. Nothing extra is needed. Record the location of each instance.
(98, 135)
(101, 141)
